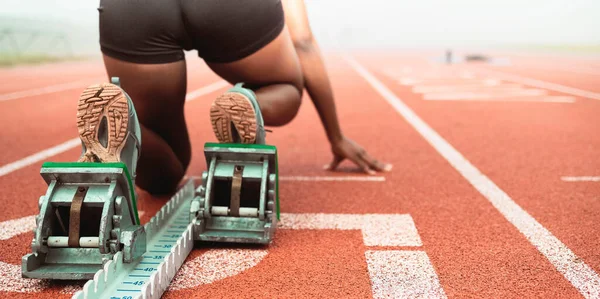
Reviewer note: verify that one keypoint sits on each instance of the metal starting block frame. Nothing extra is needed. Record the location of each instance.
(87, 215)
(238, 200)
(88, 227)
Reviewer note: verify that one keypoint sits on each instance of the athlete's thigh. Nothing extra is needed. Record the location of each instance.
(276, 62)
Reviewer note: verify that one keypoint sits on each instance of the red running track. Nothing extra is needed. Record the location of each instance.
(471, 249)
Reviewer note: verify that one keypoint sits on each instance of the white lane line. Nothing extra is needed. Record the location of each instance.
(545, 85)
(424, 82)
(402, 274)
(377, 229)
(467, 87)
(578, 69)
(11, 228)
(333, 178)
(581, 178)
(484, 95)
(583, 278)
(39, 156)
(544, 99)
(45, 90)
(72, 143)
(205, 90)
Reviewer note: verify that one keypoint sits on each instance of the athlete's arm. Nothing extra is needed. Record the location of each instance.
(319, 89)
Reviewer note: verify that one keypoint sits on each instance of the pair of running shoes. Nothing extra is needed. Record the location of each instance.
(110, 131)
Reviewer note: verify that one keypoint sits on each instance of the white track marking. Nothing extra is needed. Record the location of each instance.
(357, 178)
(45, 90)
(11, 228)
(484, 95)
(390, 230)
(467, 88)
(582, 276)
(545, 85)
(39, 156)
(426, 82)
(408, 81)
(205, 90)
(11, 280)
(402, 274)
(72, 143)
(377, 229)
(581, 178)
(578, 69)
(217, 264)
(214, 265)
(333, 178)
(500, 98)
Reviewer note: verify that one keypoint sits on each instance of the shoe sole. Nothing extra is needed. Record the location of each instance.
(233, 108)
(95, 103)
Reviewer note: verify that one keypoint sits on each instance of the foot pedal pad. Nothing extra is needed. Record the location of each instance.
(87, 215)
(238, 200)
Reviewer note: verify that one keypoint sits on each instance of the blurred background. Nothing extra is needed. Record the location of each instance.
(40, 30)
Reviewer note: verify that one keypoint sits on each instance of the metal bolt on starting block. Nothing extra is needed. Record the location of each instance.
(238, 200)
(87, 215)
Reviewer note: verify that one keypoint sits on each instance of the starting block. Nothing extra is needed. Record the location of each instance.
(88, 227)
(238, 201)
(87, 215)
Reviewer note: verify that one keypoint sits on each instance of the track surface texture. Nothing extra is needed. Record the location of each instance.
(495, 191)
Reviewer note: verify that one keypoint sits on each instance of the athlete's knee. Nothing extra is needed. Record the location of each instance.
(283, 111)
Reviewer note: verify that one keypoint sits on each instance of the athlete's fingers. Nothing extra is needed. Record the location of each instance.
(337, 159)
(364, 166)
(375, 164)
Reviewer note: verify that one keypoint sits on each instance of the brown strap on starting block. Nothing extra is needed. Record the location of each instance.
(75, 216)
(236, 188)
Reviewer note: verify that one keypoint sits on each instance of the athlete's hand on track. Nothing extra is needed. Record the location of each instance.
(348, 149)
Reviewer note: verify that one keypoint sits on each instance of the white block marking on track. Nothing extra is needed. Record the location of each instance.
(501, 98)
(218, 264)
(45, 90)
(215, 265)
(467, 88)
(364, 178)
(581, 276)
(377, 229)
(485, 95)
(424, 82)
(581, 178)
(72, 143)
(545, 85)
(402, 274)
(340, 178)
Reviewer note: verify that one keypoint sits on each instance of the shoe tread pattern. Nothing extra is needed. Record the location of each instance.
(96, 102)
(233, 107)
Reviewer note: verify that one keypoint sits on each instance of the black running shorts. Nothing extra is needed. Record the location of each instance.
(157, 31)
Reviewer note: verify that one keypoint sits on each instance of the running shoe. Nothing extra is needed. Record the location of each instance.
(108, 126)
(236, 117)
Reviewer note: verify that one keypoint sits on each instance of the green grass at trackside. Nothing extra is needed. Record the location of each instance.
(10, 59)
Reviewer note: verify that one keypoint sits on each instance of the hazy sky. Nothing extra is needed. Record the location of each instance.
(398, 23)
